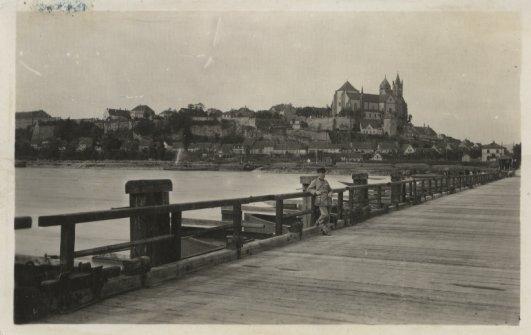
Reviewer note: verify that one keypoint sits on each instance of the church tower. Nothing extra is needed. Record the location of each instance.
(384, 87)
(398, 86)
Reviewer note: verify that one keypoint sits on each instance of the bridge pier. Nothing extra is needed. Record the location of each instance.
(151, 193)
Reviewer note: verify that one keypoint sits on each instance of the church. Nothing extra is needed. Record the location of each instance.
(376, 114)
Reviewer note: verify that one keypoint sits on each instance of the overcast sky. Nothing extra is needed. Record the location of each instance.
(461, 71)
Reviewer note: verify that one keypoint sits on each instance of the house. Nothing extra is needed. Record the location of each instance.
(376, 157)
(262, 147)
(424, 133)
(290, 148)
(142, 112)
(116, 114)
(492, 151)
(387, 147)
(352, 157)
(363, 147)
(117, 124)
(238, 149)
(26, 119)
(296, 124)
(407, 149)
(203, 147)
(371, 127)
(325, 147)
(165, 114)
(466, 158)
(84, 143)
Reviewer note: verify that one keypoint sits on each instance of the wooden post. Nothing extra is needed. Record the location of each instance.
(237, 228)
(279, 216)
(396, 189)
(352, 217)
(339, 206)
(313, 215)
(149, 193)
(176, 225)
(362, 201)
(68, 241)
(307, 201)
(422, 193)
(379, 190)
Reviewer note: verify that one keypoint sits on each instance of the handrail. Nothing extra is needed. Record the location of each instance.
(361, 200)
(126, 212)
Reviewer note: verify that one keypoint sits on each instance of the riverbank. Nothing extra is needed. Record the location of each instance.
(341, 168)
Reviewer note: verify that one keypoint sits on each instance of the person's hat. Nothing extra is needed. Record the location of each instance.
(321, 170)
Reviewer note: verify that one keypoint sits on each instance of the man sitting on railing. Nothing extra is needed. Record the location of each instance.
(322, 190)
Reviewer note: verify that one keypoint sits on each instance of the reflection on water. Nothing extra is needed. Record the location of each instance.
(45, 191)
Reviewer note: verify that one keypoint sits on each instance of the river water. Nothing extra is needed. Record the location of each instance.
(46, 191)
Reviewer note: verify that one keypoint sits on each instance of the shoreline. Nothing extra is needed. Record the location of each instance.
(372, 168)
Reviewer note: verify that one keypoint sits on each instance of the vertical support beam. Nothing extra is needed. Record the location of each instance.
(66, 251)
(339, 206)
(362, 200)
(422, 191)
(279, 206)
(352, 216)
(313, 216)
(150, 193)
(396, 189)
(176, 225)
(307, 204)
(237, 228)
(379, 195)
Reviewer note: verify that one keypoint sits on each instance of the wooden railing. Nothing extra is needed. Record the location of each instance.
(360, 202)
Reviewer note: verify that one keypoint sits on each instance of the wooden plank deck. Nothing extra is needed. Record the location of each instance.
(453, 260)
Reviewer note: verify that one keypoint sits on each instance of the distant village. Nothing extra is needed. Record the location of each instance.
(356, 127)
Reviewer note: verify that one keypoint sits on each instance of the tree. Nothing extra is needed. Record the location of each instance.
(144, 127)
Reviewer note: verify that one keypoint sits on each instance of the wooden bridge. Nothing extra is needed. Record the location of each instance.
(452, 260)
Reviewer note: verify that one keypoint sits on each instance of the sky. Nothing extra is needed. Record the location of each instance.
(461, 70)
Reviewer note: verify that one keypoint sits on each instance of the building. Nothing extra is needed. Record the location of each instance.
(492, 151)
(376, 157)
(84, 143)
(371, 127)
(142, 112)
(262, 147)
(408, 149)
(387, 147)
(27, 119)
(116, 114)
(324, 147)
(289, 148)
(363, 147)
(361, 106)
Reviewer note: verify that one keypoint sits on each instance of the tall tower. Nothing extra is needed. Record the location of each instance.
(384, 87)
(398, 86)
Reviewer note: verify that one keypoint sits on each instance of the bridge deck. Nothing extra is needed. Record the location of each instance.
(453, 260)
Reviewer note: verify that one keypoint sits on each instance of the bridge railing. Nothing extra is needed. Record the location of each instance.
(351, 204)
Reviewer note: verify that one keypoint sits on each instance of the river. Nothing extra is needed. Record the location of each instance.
(45, 191)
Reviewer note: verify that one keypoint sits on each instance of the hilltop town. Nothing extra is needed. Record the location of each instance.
(356, 127)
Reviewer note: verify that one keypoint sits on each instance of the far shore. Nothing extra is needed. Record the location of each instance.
(372, 168)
